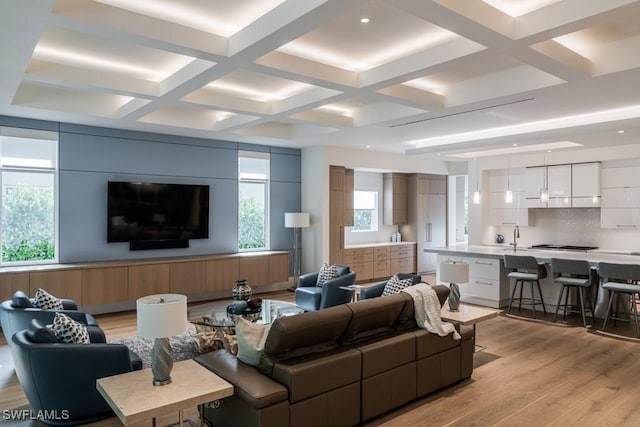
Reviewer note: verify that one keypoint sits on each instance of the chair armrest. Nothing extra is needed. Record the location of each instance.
(373, 291)
(333, 295)
(69, 304)
(96, 335)
(307, 280)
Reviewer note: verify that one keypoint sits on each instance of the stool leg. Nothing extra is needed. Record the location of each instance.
(606, 318)
(533, 300)
(566, 302)
(513, 294)
(593, 315)
(544, 309)
(520, 300)
(581, 294)
(635, 314)
(555, 317)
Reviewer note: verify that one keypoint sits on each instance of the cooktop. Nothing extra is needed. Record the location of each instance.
(564, 247)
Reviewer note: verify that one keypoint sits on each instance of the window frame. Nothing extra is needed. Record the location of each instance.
(376, 220)
(8, 131)
(267, 203)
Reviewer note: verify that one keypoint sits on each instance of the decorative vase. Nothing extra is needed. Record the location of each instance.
(241, 291)
(454, 297)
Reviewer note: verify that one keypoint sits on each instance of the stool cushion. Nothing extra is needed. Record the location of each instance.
(572, 281)
(621, 287)
(523, 276)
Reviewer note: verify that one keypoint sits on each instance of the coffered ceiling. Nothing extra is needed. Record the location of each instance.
(423, 77)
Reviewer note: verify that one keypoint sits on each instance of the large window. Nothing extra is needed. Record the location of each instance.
(28, 164)
(253, 199)
(365, 211)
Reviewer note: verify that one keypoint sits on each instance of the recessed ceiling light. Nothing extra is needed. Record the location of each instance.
(438, 154)
(620, 131)
(365, 20)
(548, 151)
(367, 146)
(514, 145)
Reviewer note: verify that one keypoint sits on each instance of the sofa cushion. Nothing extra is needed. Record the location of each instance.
(383, 355)
(37, 332)
(374, 317)
(307, 333)
(69, 331)
(20, 300)
(251, 337)
(326, 273)
(311, 375)
(395, 285)
(248, 384)
(46, 301)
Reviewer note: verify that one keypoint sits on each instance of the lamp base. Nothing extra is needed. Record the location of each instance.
(161, 361)
(454, 297)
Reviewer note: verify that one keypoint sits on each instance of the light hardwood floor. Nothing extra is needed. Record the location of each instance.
(532, 373)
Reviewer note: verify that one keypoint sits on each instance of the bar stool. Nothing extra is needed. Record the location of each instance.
(573, 274)
(620, 279)
(525, 269)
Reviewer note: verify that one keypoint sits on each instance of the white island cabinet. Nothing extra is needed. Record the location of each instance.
(488, 284)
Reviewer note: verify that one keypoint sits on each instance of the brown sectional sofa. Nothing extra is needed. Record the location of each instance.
(340, 366)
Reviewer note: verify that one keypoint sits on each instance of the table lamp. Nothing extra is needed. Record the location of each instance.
(160, 317)
(454, 273)
(296, 220)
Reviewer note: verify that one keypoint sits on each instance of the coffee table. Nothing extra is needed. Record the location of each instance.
(269, 311)
(469, 315)
(134, 398)
(216, 328)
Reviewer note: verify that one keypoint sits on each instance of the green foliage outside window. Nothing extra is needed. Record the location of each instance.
(252, 225)
(27, 224)
(362, 219)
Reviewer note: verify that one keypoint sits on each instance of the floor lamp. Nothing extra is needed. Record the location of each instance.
(296, 220)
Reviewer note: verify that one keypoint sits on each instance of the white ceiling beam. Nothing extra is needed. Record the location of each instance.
(324, 118)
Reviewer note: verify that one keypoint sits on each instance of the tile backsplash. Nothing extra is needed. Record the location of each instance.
(570, 227)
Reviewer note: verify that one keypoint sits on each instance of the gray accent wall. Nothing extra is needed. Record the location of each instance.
(89, 157)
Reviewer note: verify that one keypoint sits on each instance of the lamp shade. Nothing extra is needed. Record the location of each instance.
(454, 272)
(162, 315)
(296, 219)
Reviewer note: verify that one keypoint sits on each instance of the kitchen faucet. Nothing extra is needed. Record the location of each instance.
(516, 236)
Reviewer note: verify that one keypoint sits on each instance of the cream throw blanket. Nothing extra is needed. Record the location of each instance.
(427, 310)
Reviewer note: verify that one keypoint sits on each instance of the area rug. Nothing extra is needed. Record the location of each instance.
(182, 345)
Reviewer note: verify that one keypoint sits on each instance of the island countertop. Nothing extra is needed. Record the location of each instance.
(542, 255)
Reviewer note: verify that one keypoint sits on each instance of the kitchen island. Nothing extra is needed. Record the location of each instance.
(488, 282)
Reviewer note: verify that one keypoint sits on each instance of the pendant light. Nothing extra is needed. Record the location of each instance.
(476, 194)
(544, 191)
(508, 195)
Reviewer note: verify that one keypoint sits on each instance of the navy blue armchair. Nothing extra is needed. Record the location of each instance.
(60, 379)
(376, 289)
(17, 313)
(311, 297)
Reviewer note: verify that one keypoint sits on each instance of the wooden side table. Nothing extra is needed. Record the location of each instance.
(469, 315)
(134, 398)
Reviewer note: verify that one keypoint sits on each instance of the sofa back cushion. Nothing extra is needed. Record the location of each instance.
(304, 334)
(374, 317)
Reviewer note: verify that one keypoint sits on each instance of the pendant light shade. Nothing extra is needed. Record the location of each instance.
(476, 194)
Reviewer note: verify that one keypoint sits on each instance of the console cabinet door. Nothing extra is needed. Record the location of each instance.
(105, 285)
(222, 274)
(187, 277)
(59, 283)
(148, 280)
(256, 269)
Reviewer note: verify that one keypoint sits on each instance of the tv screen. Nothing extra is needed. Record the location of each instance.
(148, 211)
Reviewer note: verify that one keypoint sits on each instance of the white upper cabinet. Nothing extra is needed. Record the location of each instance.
(534, 181)
(559, 185)
(585, 185)
(501, 212)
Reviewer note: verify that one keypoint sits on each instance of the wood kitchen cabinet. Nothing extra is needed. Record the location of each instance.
(394, 199)
(341, 184)
(427, 218)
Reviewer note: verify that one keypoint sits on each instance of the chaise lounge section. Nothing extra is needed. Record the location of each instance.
(340, 366)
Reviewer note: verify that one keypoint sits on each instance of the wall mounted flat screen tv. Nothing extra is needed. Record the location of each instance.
(144, 211)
